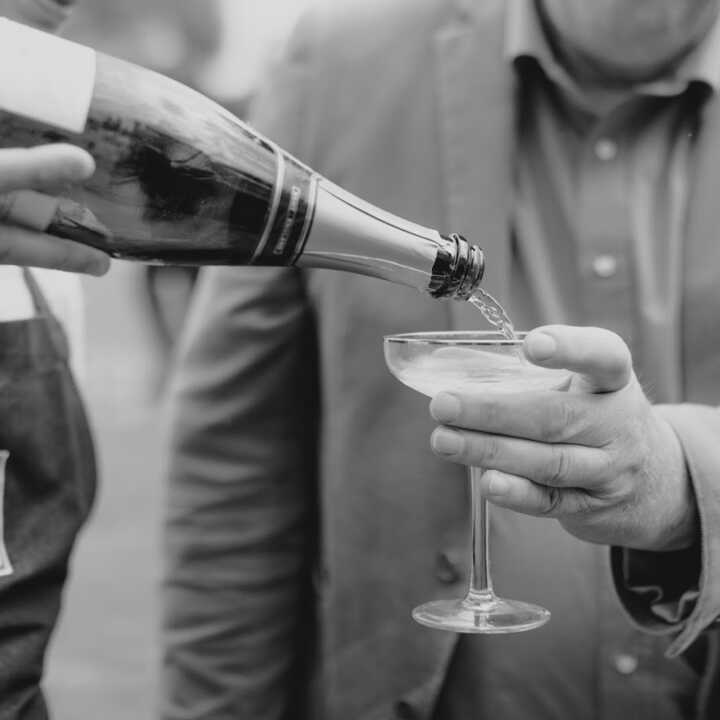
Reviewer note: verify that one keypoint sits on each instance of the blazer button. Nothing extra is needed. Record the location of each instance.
(447, 569)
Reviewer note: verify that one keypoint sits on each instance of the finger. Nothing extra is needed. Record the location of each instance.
(550, 417)
(599, 356)
(19, 246)
(47, 167)
(552, 465)
(521, 495)
(28, 208)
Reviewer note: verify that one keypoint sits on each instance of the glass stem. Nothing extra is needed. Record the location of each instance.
(481, 590)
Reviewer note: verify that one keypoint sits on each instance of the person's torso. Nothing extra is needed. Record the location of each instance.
(394, 518)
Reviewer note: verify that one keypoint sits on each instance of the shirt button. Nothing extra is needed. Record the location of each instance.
(604, 266)
(625, 664)
(606, 149)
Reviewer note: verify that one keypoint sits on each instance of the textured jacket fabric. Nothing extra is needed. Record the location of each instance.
(307, 515)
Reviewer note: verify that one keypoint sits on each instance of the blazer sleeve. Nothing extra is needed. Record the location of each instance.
(240, 531)
(678, 593)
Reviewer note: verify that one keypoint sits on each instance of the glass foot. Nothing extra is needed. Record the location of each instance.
(491, 616)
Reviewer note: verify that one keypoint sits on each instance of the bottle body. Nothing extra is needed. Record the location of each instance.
(180, 180)
(177, 180)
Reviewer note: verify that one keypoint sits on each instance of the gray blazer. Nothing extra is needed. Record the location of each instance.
(301, 482)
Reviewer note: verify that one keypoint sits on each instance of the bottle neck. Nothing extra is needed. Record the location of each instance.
(458, 270)
(352, 235)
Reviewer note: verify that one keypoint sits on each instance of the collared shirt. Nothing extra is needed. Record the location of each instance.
(599, 220)
(607, 193)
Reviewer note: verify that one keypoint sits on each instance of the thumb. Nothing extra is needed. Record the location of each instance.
(600, 357)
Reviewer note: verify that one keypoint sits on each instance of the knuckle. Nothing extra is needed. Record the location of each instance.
(553, 501)
(607, 470)
(491, 413)
(559, 422)
(636, 458)
(560, 467)
(489, 450)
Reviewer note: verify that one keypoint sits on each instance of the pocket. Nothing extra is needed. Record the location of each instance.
(5, 565)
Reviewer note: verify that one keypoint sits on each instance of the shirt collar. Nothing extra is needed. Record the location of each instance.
(525, 38)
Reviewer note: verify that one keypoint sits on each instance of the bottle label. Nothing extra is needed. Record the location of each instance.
(45, 78)
(290, 225)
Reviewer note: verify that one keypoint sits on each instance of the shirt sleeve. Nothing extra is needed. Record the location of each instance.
(678, 593)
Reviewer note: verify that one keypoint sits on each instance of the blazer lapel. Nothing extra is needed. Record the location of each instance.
(475, 88)
(701, 258)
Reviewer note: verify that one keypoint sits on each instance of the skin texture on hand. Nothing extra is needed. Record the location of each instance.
(47, 169)
(598, 457)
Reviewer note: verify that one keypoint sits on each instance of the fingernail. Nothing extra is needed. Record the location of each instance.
(497, 485)
(445, 407)
(447, 442)
(540, 346)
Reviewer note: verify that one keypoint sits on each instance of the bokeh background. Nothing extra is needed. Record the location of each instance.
(104, 660)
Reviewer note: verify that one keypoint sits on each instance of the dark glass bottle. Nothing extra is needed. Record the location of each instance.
(180, 180)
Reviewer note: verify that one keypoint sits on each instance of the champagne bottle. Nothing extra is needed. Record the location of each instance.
(180, 180)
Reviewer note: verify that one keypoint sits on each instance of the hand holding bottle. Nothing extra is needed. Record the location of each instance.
(599, 458)
(45, 169)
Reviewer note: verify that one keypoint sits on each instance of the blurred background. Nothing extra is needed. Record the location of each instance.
(104, 659)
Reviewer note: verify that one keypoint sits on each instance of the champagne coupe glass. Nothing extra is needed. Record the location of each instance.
(430, 362)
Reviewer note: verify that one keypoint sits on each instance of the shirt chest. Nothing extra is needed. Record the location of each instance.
(601, 224)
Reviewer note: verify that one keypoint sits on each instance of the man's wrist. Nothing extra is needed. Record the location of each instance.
(679, 519)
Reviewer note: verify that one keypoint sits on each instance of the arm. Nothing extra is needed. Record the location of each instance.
(679, 593)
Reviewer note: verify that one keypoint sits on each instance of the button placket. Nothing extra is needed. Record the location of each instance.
(605, 149)
(604, 235)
